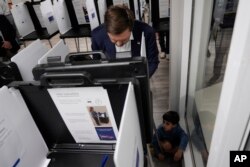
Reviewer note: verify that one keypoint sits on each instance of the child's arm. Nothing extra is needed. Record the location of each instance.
(183, 144)
(178, 154)
(156, 145)
(183, 139)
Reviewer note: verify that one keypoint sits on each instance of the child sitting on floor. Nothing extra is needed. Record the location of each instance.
(170, 138)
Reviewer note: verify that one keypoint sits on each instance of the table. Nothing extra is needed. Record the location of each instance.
(39, 35)
(77, 32)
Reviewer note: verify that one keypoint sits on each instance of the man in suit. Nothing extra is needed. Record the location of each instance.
(9, 45)
(122, 33)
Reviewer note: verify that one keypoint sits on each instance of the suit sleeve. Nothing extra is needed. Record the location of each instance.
(95, 46)
(152, 51)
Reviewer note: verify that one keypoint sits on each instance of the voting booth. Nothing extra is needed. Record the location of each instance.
(96, 9)
(35, 20)
(27, 58)
(134, 5)
(78, 114)
(72, 20)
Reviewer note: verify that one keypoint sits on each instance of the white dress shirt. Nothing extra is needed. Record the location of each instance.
(125, 50)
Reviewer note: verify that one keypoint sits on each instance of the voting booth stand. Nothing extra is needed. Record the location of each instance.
(78, 113)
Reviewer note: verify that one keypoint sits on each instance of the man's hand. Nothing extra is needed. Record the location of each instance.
(6, 45)
(178, 155)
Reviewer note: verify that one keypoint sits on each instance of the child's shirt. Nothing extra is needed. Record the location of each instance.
(177, 137)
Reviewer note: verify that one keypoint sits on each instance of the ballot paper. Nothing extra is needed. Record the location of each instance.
(87, 113)
(20, 138)
(11, 149)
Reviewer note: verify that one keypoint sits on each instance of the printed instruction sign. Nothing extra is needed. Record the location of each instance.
(87, 113)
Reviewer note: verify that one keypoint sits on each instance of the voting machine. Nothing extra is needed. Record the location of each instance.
(78, 113)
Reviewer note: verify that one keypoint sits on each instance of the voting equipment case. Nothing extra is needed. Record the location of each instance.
(127, 84)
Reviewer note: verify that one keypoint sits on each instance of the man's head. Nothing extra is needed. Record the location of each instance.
(119, 22)
(170, 120)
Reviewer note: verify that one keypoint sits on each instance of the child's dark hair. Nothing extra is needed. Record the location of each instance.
(171, 116)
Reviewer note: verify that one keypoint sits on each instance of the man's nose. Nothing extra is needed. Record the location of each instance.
(119, 43)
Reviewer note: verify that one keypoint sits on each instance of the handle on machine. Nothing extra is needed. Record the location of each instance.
(75, 57)
(66, 79)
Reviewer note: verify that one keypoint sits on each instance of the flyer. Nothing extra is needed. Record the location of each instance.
(87, 113)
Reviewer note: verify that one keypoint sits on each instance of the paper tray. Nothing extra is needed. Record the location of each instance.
(77, 159)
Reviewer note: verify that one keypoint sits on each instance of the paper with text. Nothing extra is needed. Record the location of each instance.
(11, 148)
(87, 113)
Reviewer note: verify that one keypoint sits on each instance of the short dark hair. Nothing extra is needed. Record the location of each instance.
(118, 18)
(171, 116)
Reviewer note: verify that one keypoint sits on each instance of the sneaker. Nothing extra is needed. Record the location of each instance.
(162, 55)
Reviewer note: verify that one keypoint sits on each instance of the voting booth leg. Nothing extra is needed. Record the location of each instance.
(77, 44)
(50, 44)
(24, 44)
(86, 40)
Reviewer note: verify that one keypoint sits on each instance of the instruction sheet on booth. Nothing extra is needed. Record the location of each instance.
(11, 148)
(87, 113)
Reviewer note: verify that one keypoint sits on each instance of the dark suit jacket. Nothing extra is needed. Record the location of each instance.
(9, 34)
(101, 41)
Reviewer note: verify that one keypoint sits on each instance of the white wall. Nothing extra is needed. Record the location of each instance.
(176, 24)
